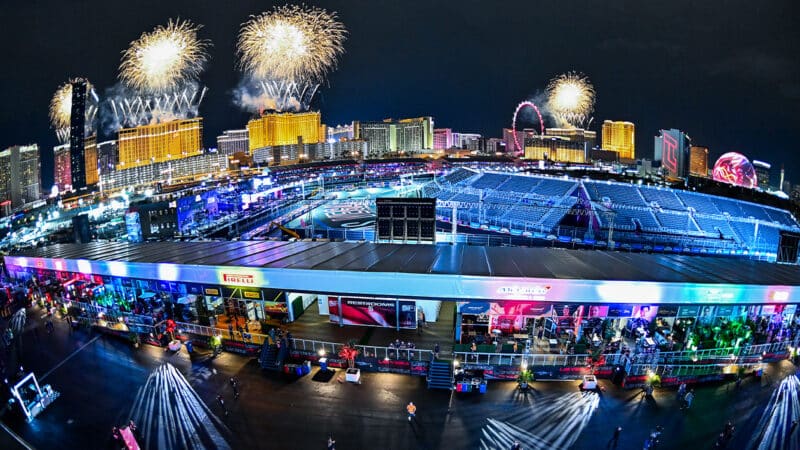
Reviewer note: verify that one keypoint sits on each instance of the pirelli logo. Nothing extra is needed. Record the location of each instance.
(233, 278)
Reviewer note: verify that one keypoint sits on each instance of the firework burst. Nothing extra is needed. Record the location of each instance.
(570, 97)
(164, 58)
(291, 43)
(61, 106)
(61, 109)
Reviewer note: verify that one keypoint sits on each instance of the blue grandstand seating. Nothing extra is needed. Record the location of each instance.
(624, 218)
(520, 184)
(665, 198)
(466, 198)
(783, 217)
(675, 222)
(458, 176)
(489, 181)
(701, 203)
(526, 214)
(713, 226)
(618, 193)
(552, 187)
(754, 211)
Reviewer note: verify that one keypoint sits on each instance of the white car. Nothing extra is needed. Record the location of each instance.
(589, 383)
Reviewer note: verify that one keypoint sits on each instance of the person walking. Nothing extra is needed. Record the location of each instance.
(436, 351)
(221, 402)
(411, 408)
(49, 326)
(516, 446)
(331, 443)
(230, 329)
(681, 391)
(614, 441)
(687, 401)
(235, 387)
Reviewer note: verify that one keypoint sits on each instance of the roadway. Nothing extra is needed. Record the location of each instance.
(104, 382)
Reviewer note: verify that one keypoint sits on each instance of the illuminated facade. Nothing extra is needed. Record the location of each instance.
(77, 124)
(620, 137)
(20, 174)
(467, 141)
(233, 141)
(442, 138)
(160, 142)
(511, 144)
(698, 161)
(90, 160)
(389, 136)
(586, 137)
(107, 156)
(763, 172)
(61, 168)
(275, 129)
(671, 148)
(555, 148)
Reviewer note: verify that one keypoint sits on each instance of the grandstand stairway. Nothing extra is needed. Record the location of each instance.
(440, 374)
(269, 357)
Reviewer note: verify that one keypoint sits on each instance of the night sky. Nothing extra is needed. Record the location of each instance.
(726, 72)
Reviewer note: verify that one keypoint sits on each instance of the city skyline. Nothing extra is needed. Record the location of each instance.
(464, 65)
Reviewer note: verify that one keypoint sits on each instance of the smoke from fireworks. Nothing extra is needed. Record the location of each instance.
(61, 110)
(287, 52)
(164, 58)
(570, 97)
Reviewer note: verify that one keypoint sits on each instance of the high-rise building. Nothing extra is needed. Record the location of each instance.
(107, 156)
(698, 161)
(62, 169)
(511, 144)
(620, 137)
(763, 173)
(405, 135)
(467, 141)
(89, 160)
(586, 137)
(77, 129)
(160, 142)
(494, 145)
(20, 174)
(671, 148)
(275, 129)
(555, 148)
(62, 176)
(233, 141)
(442, 138)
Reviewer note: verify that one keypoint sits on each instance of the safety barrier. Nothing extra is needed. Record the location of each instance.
(370, 351)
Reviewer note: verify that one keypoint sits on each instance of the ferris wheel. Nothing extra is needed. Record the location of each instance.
(522, 105)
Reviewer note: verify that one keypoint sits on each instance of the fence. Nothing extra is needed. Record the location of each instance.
(370, 351)
(727, 356)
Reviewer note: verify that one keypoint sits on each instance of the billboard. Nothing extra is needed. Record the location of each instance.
(385, 313)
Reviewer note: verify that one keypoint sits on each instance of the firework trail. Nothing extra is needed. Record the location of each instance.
(570, 98)
(164, 58)
(286, 53)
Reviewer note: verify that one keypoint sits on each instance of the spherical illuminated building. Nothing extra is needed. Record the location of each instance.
(734, 168)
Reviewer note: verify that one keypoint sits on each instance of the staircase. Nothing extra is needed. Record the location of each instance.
(269, 357)
(440, 375)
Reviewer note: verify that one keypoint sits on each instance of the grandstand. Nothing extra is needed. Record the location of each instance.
(641, 217)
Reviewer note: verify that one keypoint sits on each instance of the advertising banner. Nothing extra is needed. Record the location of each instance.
(620, 310)
(598, 311)
(688, 311)
(646, 312)
(373, 312)
(667, 311)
